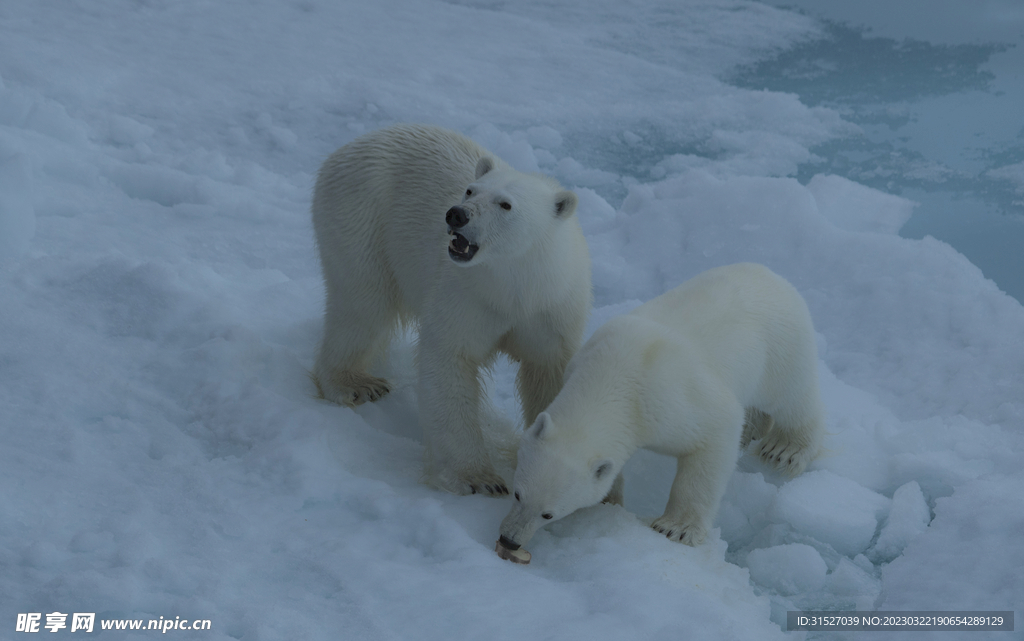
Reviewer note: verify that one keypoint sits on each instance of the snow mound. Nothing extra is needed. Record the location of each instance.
(789, 569)
(832, 509)
(908, 517)
(854, 207)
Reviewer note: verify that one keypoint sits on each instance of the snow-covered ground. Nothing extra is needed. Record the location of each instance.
(160, 303)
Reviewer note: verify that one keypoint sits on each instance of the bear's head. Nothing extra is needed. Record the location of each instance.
(554, 477)
(504, 214)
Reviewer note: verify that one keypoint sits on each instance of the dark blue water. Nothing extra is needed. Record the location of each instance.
(943, 125)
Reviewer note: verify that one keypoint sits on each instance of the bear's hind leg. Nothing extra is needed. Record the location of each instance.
(755, 425)
(794, 438)
(349, 388)
(355, 332)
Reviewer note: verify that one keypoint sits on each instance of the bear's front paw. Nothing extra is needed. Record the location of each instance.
(687, 532)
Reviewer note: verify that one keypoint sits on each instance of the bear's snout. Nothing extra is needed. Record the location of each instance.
(508, 543)
(456, 217)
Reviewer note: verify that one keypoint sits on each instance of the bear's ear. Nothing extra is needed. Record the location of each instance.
(602, 469)
(540, 426)
(483, 166)
(565, 203)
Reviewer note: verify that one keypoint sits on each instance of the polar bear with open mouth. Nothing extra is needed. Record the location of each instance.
(419, 223)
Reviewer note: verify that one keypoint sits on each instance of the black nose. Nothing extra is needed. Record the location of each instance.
(507, 544)
(456, 217)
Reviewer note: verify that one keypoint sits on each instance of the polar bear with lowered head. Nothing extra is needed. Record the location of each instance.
(724, 358)
(418, 223)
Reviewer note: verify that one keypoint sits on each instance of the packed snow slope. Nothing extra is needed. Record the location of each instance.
(164, 455)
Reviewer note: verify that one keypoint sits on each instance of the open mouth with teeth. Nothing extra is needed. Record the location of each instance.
(460, 249)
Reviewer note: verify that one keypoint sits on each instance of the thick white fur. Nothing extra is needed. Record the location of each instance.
(677, 376)
(379, 216)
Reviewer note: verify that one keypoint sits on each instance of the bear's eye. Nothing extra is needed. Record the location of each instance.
(548, 515)
(469, 192)
(506, 206)
(517, 496)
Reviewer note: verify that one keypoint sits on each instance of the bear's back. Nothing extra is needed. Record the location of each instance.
(743, 293)
(738, 321)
